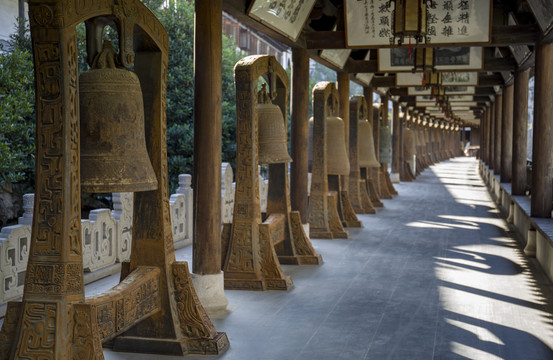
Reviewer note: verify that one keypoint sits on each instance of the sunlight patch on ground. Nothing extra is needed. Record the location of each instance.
(440, 225)
(500, 223)
(471, 353)
(481, 333)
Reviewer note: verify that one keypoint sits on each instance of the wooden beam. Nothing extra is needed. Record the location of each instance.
(384, 81)
(501, 36)
(371, 66)
(490, 80)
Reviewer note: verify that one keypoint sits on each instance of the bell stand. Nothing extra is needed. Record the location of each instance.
(154, 308)
(360, 199)
(368, 176)
(251, 261)
(385, 175)
(324, 219)
(406, 173)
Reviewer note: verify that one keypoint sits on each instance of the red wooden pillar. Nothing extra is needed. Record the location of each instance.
(542, 156)
(520, 131)
(299, 134)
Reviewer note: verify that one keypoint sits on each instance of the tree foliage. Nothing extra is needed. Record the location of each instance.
(178, 19)
(17, 137)
(17, 122)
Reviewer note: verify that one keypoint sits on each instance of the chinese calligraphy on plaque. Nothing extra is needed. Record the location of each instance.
(369, 22)
(285, 16)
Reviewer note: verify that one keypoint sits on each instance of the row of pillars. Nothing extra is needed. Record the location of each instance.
(504, 128)
(207, 133)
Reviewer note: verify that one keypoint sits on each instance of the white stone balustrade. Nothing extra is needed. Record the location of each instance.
(107, 234)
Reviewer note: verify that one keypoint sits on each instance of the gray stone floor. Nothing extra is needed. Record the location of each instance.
(436, 274)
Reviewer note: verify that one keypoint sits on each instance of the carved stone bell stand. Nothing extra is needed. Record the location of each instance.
(359, 196)
(324, 218)
(254, 246)
(154, 308)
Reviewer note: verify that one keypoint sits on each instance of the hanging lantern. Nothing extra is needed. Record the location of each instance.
(385, 145)
(114, 157)
(367, 156)
(432, 78)
(409, 20)
(271, 139)
(424, 59)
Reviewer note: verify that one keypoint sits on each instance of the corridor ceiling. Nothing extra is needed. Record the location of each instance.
(480, 44)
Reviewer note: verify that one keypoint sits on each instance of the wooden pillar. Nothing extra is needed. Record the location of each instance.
(507, 135)
(491, 137)
(299, 134)
(396, 141)
(489, 134)
(520, 131)
(343, 93)
(542, 156)
(484, 123)
(368, 92)
(206, 255)
(497, 134)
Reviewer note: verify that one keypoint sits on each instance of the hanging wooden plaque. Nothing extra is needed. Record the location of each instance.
(285, 16)
(369, 22)
(446, 58)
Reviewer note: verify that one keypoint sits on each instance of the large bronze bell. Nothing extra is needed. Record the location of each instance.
(367, 156)
(385, 145)
(271, 140)
(337, 161)
(114, 157)
(337, 156)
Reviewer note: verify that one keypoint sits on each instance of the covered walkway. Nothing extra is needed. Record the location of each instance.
(436, 274)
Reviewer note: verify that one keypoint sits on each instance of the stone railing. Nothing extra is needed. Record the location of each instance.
(106, 234)
(106, 237)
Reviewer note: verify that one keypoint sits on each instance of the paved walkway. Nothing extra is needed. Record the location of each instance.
(436, 274)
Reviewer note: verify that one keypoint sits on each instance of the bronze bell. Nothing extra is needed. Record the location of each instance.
(385, 145)
(367, 157)
(272, 140)
(114, 157)
(337, 156)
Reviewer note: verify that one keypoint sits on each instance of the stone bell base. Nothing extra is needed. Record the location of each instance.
(395, 178)
(210, 289)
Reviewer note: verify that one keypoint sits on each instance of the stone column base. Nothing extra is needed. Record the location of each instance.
(395, 178)
(210, 289)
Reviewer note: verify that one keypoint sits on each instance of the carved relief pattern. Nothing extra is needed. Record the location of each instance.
(54, 278)
(86, 344)
(334, 218)
(194, 321)
(318, 206)
(301, 241)
(38, 334)
(75, 245)
(270, 266)
(7, 333)
(241, 257)
(349, 215)
(48, 215)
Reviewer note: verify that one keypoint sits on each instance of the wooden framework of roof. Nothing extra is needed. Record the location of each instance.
(325, 29)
